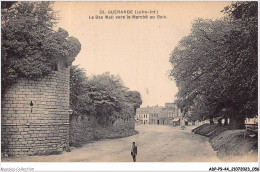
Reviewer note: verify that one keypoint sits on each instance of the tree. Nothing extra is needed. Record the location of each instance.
(80, 101)
(243, 52)
(30, 45)
(134, 98)
(111, 99)
(215, 66)
(195, 66)
(102, 96)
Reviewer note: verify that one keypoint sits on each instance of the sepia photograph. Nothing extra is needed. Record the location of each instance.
(129, 82)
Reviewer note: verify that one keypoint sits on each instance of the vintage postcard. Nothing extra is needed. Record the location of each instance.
(132, 82)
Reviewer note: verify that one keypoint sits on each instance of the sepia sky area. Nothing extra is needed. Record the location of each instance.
(136, 49)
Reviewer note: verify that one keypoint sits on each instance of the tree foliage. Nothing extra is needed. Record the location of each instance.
(80, 101)
(215, 66)
(102, 96)
(30, 45)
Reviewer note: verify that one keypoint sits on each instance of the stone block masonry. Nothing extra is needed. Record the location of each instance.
(42, 128)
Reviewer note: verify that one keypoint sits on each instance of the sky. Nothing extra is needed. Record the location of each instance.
(138, 50)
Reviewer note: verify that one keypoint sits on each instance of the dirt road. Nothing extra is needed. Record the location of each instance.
(156, 143)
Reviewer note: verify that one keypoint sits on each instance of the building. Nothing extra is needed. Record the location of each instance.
(159, 115)
(147, 115)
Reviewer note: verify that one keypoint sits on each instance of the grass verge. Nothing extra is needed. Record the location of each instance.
(228, 142)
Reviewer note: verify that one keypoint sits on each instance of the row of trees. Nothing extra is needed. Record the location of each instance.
(29, 42)
(103, 96)
(215, 66)
(30, 46)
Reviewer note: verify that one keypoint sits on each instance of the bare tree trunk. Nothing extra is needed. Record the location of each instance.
(226, 121)
(237, 122)
(219, 121)
(211, 121)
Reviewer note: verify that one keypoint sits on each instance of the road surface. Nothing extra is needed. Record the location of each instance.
(156, 143)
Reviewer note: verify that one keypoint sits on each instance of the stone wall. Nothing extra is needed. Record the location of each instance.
(42, 128)
(84, 129)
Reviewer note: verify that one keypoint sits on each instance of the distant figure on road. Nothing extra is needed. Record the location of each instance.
(182, 123)
(134, 152)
